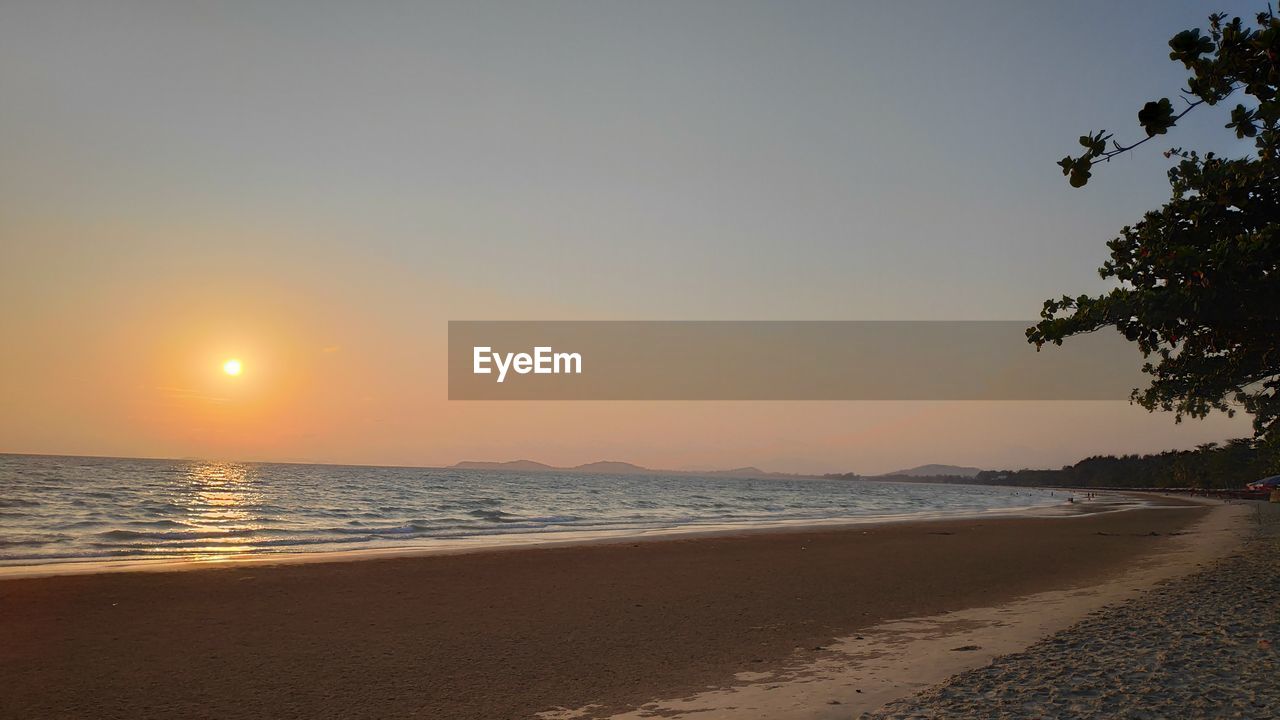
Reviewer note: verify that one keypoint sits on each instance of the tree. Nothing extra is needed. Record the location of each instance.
(1199, 278)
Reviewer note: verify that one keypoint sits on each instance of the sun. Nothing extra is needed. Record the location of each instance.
(231, 367)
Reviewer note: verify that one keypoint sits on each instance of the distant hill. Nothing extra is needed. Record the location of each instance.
(748, 471)
(509, 465)
(610, 467)
(936, 471)
(615, 467)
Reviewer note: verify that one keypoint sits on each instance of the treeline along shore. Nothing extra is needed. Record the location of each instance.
(1228, 466)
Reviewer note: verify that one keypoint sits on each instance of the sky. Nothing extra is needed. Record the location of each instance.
(318, 188)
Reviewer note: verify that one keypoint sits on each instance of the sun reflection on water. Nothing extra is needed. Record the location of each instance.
(220, 497)
(58, 509)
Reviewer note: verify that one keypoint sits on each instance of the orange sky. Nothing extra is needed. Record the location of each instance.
(128, 360)
(184, 184)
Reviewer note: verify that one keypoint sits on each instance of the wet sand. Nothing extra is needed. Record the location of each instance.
(507, 634)
(894, 660)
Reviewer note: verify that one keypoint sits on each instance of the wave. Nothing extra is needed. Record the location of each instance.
(30, 541)
(126, 535)
(114, 508)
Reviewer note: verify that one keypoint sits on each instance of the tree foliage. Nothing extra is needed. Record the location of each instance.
(1211, 466)
(1229, 466)
(1198, 280)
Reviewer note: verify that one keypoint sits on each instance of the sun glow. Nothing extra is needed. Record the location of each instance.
(231, 367)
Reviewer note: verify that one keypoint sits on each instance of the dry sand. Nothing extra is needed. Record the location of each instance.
(1202, 646)
(895, 659)
(508, 634)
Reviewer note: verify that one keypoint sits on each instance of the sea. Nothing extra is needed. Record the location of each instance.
(57, 509)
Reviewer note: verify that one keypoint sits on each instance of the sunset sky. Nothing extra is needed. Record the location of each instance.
(315, 190)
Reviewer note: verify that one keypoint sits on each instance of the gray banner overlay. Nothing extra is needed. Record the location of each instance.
(782, 360)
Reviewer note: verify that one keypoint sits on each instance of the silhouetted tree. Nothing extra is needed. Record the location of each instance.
(1199, 278)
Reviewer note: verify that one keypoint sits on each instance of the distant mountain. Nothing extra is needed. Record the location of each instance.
(748, 471)
(615, 467)
(937, 470)
(510, 465)
(610, 467)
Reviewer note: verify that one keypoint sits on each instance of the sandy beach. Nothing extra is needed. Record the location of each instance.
(639, 361)
(509, 634)
(1199, 646)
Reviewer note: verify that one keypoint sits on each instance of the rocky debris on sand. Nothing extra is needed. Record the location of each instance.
(1203, 646)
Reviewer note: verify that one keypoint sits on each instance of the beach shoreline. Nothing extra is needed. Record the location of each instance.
(889, 662)
(1201, 644)
(95, 515)
(1107, 502)
(516, 632)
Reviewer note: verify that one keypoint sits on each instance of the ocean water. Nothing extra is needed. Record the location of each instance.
(60, 509)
